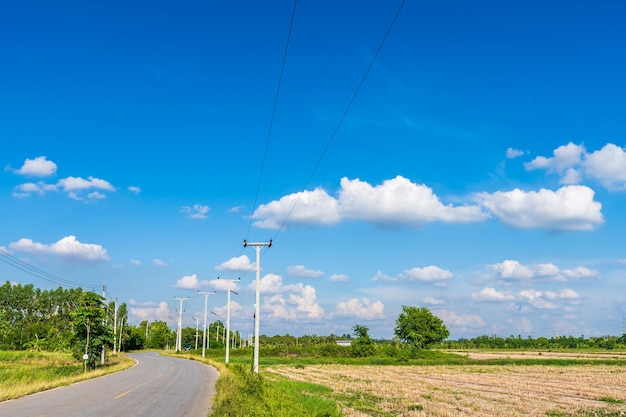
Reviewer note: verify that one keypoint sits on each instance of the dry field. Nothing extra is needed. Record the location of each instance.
(470, 390)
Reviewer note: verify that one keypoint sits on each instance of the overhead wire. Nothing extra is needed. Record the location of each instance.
(271, 126)
(11, 260)
(343, 116)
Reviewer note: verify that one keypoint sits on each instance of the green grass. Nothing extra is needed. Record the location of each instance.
(23, 372)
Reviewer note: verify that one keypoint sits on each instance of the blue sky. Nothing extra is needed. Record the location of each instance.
(480, 170)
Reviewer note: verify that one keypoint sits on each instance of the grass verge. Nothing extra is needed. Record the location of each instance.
(23, 373)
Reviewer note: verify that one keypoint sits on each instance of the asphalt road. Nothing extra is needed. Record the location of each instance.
(157, 386)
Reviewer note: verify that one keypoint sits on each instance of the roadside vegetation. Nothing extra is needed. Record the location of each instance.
(23, 373)
(48, 333)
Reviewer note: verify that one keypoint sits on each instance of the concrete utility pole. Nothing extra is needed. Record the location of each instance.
(104, 295)
(257, 306)
(204, 336)
(115, 326)
(228, 318)
(179, 334)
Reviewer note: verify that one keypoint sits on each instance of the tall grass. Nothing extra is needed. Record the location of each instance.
(23, 373)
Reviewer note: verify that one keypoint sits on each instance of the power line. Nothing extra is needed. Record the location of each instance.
(11, 260)
(269, 133)
(343, 116)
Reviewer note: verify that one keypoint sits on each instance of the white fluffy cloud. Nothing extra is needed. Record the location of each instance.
(569, 208)
(302, 272)
(453, 319)
(608, 165)
(429, 274)
(134, 189)
(395, 202)
(491, 294)
(238, 264)
(67, 248)
(426, 274)
(399, 202)
(573, 162)
(150, 312)
(511, 271)
(38, 167)
(360, 308)
(188, 282)
(547, 300)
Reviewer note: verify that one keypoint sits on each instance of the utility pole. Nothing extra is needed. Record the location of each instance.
(206, 303)
(179, 335)
(228, 318)
(115, 326)
(196, 319)
(104, 295)
(257, 306)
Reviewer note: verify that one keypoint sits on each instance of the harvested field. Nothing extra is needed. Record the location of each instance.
(470, 390)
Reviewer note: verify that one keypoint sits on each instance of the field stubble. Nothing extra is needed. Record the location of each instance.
(469, 390)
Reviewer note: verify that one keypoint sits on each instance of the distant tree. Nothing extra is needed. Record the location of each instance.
(418, 327)
(363, 345)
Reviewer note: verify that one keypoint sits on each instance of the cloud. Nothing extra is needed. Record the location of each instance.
(426, 274)
(287, 302)
(73, 186)
(540, 300)
(197, 211)
(235, 209)
(572, 162)
(240, 264)
(433, 301)
(135, 262)
(307, 207)
(302, 272)
(222, 284)
(565, 159)
(451, 318)
(361, 308)
(338, 278)
(80, 184)
(570, 208)
(383, 278)
(513, 153)
(395, 202)
(67, 248)
(159, 262)
(608, 165)
(491, 294)
(134, 189)
(29, 188)
(511, 271)
(150, 312)
(188, 282)
(38, 167)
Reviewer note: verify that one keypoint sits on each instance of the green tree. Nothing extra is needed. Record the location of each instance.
(91, 332)
(418, 327)
(363, 345)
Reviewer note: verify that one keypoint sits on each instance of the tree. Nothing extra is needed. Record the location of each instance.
(363, 345)
(91, 329)
(419, 327)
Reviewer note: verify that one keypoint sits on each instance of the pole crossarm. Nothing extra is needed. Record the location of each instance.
(257, 305)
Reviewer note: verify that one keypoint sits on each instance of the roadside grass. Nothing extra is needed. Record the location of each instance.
(240, 392)
(24, 372)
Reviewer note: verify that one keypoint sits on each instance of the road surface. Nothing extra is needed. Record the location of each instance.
(157, 386)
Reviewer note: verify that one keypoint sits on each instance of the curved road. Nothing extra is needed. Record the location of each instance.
(157, 386)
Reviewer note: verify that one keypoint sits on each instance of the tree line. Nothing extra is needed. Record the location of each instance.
(84, 323)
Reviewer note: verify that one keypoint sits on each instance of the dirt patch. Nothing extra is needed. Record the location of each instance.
(472, 390)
